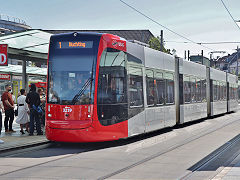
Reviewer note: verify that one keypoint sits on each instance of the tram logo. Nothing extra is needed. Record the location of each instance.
(115, 43)
(67, 109)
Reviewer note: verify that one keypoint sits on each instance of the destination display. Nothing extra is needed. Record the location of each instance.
(74, 44)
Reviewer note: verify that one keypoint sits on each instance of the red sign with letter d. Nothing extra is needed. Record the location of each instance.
(3, 55)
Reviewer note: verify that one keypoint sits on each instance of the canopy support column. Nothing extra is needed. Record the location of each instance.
(24, 75)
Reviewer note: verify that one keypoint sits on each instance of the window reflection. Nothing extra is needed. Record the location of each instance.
(112, 93)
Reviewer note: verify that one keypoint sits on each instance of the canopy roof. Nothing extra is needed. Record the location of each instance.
(17, 69)
(31, 45)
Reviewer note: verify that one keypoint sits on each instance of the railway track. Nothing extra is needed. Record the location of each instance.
(189, 140)
(95, 146)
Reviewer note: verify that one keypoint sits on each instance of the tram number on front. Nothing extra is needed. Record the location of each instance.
(67, 109)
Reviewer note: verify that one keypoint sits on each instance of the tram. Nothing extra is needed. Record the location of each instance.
(101, 87)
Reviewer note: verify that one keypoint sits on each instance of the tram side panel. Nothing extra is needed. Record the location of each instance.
(238, 96)
(136, 113)
(160, 106)
(218, 92)
(232, 97)
(193, 105)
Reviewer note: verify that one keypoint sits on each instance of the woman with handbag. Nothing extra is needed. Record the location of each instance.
(22, 111)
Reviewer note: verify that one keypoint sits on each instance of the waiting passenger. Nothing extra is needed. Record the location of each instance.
(23, 111)
(9, 108)
(33, 100)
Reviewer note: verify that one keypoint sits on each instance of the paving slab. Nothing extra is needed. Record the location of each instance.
(15, 140)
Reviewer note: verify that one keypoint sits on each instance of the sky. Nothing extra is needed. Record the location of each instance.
(197, 20)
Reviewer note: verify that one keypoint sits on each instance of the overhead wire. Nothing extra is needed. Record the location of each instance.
(230, 14)
(151, 19)
(234, 23)
(223, 42)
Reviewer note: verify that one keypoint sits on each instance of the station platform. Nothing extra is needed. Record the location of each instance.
(15, 140)
(232, 172)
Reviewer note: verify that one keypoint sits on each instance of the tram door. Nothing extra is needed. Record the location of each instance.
(155, 95)
(136, 114)
(160, 108)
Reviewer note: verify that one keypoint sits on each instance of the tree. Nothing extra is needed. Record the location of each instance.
(155, 43)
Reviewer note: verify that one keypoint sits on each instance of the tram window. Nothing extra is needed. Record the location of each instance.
(218, 93)
(170, 88)
(150, 87)
(193, 89)
(235, 92)
(112, 87)
(134, 59)
(135, 87)
(161, 88)
(215, 91)
(198, 90)
(230, 91)
(203, 90)
(224, 91)
(238, 91)
(187, 89)
(233, 89)
(112, 77)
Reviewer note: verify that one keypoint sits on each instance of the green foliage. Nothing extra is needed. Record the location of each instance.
(155, 43)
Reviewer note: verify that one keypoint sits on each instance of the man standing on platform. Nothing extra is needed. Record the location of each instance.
(9, 108)
(33, 99)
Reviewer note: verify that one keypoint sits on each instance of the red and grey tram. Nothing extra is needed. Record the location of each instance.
(101, 88)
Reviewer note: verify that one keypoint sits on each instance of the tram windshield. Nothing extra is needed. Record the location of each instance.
(71, 72)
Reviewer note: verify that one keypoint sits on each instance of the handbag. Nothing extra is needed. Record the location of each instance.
(38, 109)
(16, 112)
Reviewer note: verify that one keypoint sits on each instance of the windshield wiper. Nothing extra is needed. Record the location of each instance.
(82, 90)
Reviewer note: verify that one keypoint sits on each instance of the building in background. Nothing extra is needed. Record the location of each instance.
(229, 63)
(201, 60)
(9, 24)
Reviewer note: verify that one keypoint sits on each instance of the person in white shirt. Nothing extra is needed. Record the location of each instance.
(23, 111)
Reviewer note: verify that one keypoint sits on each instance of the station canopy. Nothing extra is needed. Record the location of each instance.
(30, 45)
(17, 69)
